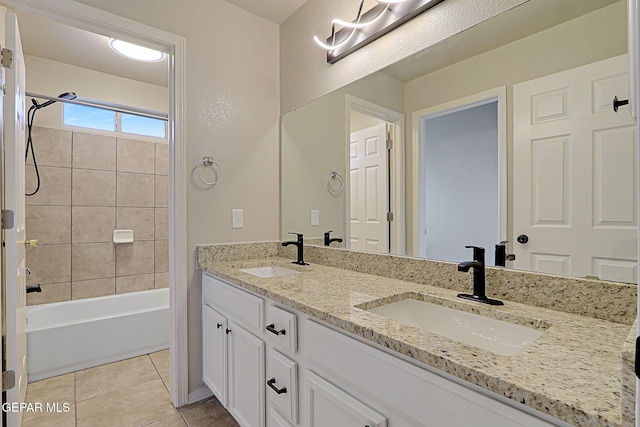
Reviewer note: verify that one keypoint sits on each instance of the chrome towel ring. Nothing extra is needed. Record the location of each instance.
(335, 183)
(208, 161)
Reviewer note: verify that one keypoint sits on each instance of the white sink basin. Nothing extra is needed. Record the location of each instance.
(496, 336)
(269, 271)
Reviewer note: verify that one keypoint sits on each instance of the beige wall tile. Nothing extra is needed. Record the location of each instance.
(142, 282)
(52, 292)
(94, 188)
(140, 220)
(135, 190)
(135, 156)
(162, 223)
(91, 151)
(92, 261)
(162, 280)
(134, 258)
(93, 224)
(81, 289)
(161, 256)
(49, 264)
(55, 186)
(53, 147)
(162, 191)
(133, 406)
(48, 224)
(162, 158)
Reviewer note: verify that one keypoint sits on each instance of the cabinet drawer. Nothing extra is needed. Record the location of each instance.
(281, 327)
(282, 385)
(238, 305)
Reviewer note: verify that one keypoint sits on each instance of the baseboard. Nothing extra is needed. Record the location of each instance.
(199, 394)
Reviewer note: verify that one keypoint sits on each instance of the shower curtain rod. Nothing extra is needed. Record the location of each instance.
(119, 108)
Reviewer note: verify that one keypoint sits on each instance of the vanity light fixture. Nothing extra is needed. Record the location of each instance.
(371, 25)
(133, 51)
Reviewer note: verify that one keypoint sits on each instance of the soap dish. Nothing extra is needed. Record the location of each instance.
(122, 236)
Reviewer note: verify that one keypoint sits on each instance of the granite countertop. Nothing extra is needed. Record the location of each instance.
(571, 372)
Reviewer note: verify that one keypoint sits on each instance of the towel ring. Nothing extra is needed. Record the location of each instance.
(208, 161)
(335, 177)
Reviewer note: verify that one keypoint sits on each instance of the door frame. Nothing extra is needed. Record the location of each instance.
(396, 165)
(498, 94)
(101, 22)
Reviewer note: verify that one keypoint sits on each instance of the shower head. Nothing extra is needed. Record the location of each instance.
(66, 95)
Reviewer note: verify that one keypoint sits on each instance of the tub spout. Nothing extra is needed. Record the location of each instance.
(35, 288)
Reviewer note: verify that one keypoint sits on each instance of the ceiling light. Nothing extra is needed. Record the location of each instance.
(136, 52)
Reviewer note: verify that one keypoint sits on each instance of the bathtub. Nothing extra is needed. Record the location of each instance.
(68, 336)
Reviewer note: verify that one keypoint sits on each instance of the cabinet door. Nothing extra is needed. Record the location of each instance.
(214, 327)
(329, 407)
(246, 377)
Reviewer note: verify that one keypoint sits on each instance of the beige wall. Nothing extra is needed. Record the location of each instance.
(47, 77)
(305, 74)
(232, 114)
(589, 38)
(91, 185)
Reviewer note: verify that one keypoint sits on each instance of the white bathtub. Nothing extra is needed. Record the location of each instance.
(68, 336)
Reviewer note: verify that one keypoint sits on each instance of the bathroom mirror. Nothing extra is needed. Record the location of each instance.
(483, 68)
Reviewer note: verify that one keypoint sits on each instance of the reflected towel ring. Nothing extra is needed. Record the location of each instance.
(208, 161)
(335, 176)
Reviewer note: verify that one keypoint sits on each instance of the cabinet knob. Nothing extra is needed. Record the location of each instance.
(272, 328)
(218, 325)
(271, 383)
(228, 331)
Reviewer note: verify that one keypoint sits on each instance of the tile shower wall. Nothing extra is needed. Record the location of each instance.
(91, 185)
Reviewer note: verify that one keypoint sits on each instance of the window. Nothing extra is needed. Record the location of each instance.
(111, 121)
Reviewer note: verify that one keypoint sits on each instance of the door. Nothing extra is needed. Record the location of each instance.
(214, 327)
(14, 238)
(565, 132)
(246, 377)
(369, 189)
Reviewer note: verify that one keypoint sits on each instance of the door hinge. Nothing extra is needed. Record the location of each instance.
(7, 219)
(8, 380)
(389, 141)
(389, 216)
(6, 57)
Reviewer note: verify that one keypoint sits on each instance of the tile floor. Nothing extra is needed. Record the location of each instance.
(129, 393)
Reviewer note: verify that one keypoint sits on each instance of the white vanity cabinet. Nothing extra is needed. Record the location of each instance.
(233, 357)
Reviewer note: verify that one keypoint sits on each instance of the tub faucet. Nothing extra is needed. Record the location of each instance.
(477, 264)
(300, 244)
(34, 288)
(328, 240)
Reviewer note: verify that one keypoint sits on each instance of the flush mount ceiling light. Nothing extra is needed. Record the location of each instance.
(371, 25)
(133, 51)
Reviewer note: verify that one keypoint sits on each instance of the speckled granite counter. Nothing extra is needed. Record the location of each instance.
(572, 372)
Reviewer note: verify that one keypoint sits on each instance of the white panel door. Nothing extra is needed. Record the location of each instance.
(369, 190)
(575, 174)
(14, 238)
(246, 377)
(214, 327)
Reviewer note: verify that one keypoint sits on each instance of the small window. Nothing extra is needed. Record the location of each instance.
(89, 117)
(143, 125)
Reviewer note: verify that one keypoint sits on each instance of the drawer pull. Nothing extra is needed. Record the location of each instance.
(272, 328)
(218, 325)
(271, 383)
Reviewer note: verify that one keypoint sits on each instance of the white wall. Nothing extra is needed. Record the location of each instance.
(232, 112)
(47, 77)
(305, 74)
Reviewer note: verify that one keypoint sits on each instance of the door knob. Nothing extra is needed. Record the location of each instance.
(619, 103)
(523, 238)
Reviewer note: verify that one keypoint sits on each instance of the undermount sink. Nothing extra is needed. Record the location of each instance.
(269, 271)
(496, 336)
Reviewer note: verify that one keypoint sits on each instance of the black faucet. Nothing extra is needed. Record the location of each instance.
(300, 244)
(328, 240)
(501, 254)
(477, 264)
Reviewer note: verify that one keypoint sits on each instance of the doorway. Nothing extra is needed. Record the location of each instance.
(461, 184)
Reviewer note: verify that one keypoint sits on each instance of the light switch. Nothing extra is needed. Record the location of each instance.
(315, 217)
(237, 218)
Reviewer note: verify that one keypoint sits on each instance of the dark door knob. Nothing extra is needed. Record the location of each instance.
(619, 103)
(523, 238)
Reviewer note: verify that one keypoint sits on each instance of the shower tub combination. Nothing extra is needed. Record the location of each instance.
(69, 336)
